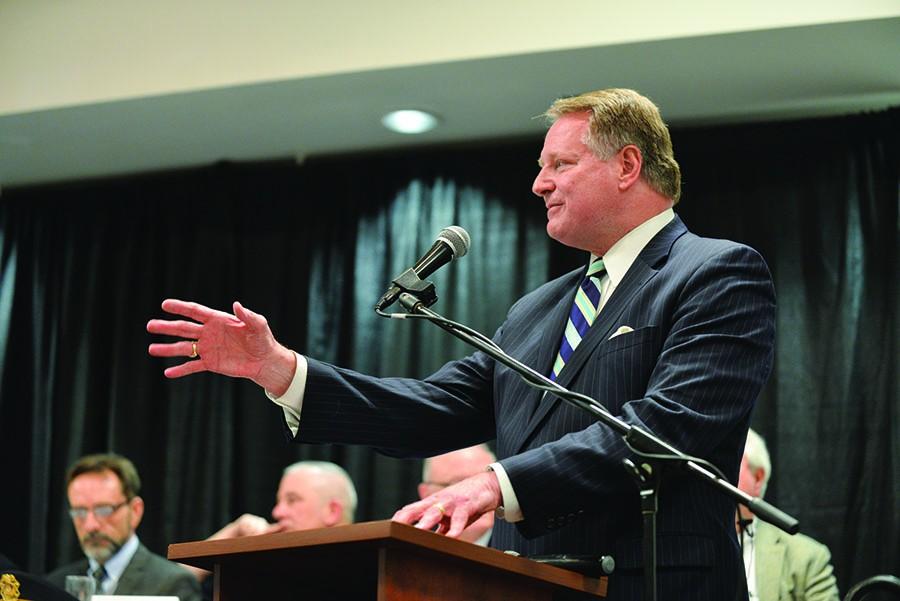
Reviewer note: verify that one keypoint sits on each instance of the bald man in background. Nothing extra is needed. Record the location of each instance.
(311, 494)
(443, 470)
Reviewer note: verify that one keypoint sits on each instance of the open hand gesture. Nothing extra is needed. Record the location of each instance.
(239, 345)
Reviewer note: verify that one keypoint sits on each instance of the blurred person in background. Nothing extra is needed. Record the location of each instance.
(779, 566)
(447, 469)
(106, 510)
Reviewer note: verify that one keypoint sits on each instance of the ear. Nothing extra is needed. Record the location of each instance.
(137, 511)
(630, 163)
(334, 513)
(759, 476)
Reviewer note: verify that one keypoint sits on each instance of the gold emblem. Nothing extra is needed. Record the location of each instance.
(9, 588)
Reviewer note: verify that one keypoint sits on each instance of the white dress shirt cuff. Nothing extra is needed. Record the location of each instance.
(291, 402)
(510, 510)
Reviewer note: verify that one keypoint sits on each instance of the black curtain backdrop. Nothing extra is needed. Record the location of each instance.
(83, 267)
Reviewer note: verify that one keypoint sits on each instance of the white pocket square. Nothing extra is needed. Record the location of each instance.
(621, 330)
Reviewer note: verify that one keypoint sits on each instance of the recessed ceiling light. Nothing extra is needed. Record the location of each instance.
(409, 121)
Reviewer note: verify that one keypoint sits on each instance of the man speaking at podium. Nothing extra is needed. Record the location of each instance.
(672, 332)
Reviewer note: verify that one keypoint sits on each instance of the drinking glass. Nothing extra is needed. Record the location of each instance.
(80, 587)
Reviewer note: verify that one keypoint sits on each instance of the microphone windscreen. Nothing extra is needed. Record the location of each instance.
(457, 239)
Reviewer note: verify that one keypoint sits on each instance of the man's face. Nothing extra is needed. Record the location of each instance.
(750, 480)
(578, 187)
(101, 537)
(300, 504)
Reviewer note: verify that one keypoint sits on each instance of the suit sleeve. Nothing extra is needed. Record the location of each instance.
(715, 353)
(183, 585)
(820, 582)
(400, 417)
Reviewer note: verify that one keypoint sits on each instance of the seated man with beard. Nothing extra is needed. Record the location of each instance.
(106, 510)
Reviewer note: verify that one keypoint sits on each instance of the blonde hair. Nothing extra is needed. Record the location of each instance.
(619, 117)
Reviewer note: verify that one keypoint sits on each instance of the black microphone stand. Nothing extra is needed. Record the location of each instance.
(654, 450)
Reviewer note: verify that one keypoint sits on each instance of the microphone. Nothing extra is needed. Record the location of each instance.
(452, 243)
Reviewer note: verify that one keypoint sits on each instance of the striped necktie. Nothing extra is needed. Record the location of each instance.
(584, 311)
(99, 575)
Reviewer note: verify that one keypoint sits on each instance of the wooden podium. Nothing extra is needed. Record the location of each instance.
(374, 561)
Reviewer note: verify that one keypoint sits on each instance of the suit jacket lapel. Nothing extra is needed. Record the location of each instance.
(641, 271)
(133, 577)
(543, 354)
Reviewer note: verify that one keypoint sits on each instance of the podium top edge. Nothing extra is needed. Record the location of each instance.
(386, 533)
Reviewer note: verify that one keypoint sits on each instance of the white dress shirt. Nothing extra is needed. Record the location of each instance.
(749, 549)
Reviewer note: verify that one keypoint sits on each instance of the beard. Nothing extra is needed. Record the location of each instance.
(99, 546)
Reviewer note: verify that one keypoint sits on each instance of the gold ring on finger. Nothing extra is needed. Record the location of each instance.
(194, 354)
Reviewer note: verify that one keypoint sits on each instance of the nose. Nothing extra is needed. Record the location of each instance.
(542, 183)
(278, 511)
(90, 523)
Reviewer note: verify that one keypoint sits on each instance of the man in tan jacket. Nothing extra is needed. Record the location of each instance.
(780, 566)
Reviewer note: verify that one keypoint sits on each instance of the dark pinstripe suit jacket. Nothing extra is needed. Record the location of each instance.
(703, 317)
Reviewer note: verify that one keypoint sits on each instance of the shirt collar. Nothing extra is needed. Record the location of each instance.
(621, 255)
(116, 564)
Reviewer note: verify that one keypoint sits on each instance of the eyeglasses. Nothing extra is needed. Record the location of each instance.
(100, 511)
